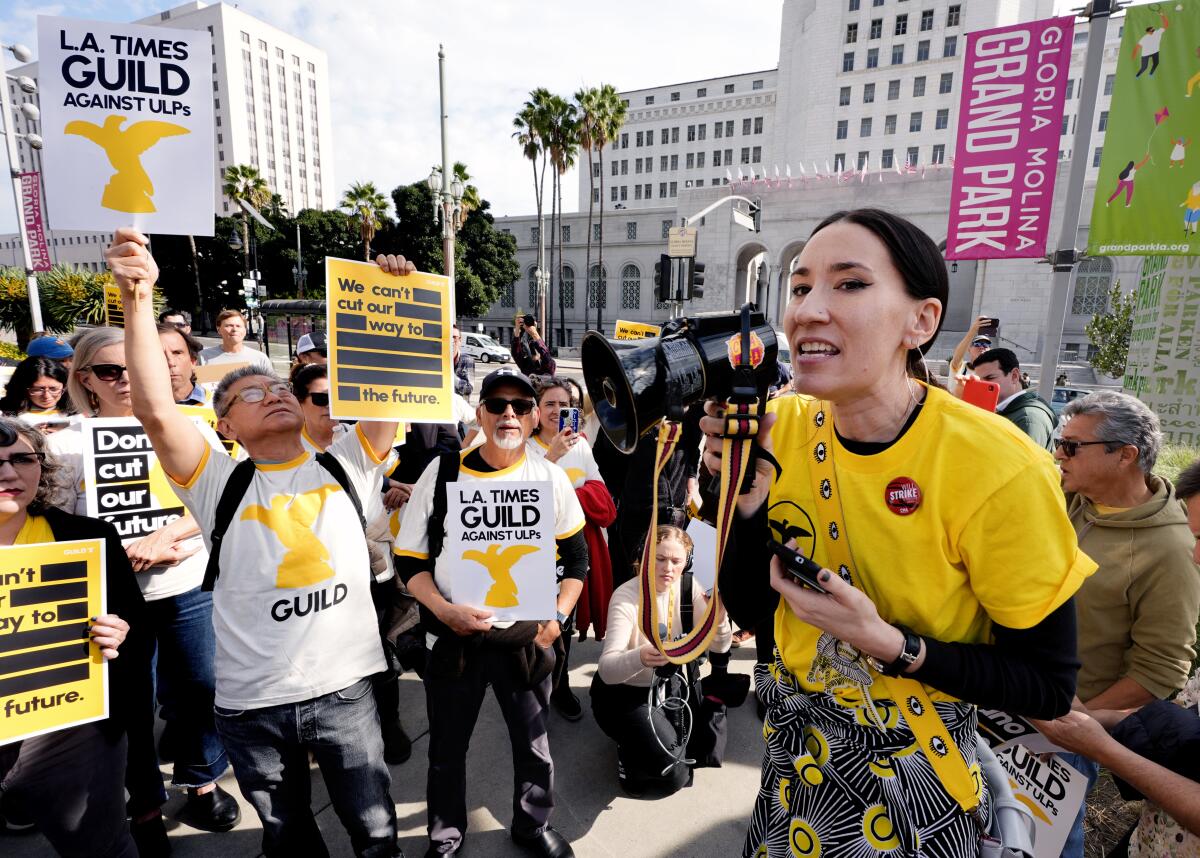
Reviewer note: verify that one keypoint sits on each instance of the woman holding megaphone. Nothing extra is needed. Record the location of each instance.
(947, 564)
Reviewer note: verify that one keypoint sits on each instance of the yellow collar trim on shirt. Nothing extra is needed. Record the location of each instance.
(282, 466)
(540, 442)
(309, 438)
(489, 474)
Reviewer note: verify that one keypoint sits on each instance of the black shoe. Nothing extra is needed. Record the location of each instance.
(15, 821)
(566, 703)
(548, 844)
(150, 837)
(214, 811)
(397, 747)
(166, 743)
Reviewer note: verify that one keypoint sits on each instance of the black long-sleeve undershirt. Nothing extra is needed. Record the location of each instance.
(1029, 672)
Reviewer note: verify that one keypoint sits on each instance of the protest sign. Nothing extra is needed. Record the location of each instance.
(1002, 730)
(1053, 791)
(1163, 366)
(1009, 124)
(123, 107)
(389, 344)
(500, 543)
(114, 310)
(634, 330)
(123, 481)
(51, 675)
(1147, 191)
(35, 230)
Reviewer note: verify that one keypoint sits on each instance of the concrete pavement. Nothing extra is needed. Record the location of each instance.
(706, 820)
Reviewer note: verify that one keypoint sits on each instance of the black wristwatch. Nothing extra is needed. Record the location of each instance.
(908, 655)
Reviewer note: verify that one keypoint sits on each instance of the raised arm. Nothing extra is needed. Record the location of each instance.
(380, 434)
(177, 442)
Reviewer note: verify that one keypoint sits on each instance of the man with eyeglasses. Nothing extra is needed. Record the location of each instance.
(1137, 614)
(292, 611)
(467, 651)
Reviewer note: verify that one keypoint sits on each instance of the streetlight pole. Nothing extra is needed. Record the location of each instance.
(447, 198)
(30, 111)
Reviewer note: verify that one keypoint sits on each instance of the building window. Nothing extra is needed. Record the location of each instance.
(674, 135)
(566, 232)
(889, 124)
(1103, 123)
(863, 157)
(745, 126)
(691, 160)
(1096, 156)
(716, 157)
(728, 157)
(954, 15)
(897, 54)
(728, 88)
(631, 231)
(674, 188)
(848, 61)
(595, 232)
(869, 93)
(701, 131)
(864, 127)
(843, 129)
(534, 234)
(674, 162)
(566, 286)
(854, 5)
(312, 69)
(939, 154)
(597, 287)
(888, 159)
(624, 194)
(756, 154)
(641, 137)
(851, 34)
(914, 121)
(1093, 279)
(918, 86)
(756, 84)
(872, 58)
(839, 162)
(245, 38)
(666, 228)
(650, 137)
(507, 298)
(702, 92)
(729, 128)
(649, 99)
(1109, 80)
(674, 96)
(926, 20)
(700, 160)
(950, 48)
(843, 99)
(876, 28)
(533, 288)
(758, 125)
(691, 133)
(637, 192)
(922, 50)
(893, 90)
(901, 25)
(631, 287)
(942, 119)
(1070, 89)
(946, 84)
(912, 157)
(745, 155)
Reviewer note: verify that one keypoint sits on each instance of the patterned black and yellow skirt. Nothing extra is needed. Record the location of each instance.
(836, 785)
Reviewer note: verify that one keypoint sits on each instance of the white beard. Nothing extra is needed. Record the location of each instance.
(506, 442)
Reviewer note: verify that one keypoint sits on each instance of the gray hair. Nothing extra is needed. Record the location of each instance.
(221, 395)
(1125, 419)
(86, 346)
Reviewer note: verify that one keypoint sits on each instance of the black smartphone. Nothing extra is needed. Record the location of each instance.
(991, 329)
(797, 565)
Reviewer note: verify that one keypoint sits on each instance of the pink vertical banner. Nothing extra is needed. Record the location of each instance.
(31, 213)
(1009, 125)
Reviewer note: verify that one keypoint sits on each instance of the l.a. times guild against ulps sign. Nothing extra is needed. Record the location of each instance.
(123, 107)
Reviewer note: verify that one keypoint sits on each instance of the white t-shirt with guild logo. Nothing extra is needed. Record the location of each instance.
(292, 607)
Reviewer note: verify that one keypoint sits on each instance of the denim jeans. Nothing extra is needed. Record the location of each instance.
(186, 647)
(1073, 848)
(269, 748)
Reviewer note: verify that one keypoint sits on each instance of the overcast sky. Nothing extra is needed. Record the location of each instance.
(383, 69)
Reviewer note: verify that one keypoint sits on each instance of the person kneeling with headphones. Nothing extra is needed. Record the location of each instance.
(640, 700)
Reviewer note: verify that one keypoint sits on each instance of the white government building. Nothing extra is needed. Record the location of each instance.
(271, 110)
(859, 82)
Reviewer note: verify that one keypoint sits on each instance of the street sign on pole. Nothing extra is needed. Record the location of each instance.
(681, 242)
(743, 219)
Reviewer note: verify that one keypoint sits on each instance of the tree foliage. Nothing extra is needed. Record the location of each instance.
(1110, 331)
(67, 298)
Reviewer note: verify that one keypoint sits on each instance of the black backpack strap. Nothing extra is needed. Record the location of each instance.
(231, 496)
(331, 464)
(448, 464)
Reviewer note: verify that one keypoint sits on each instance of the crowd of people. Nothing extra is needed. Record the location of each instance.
(1009, 560)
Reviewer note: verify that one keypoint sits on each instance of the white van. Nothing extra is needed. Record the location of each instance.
(484, 349)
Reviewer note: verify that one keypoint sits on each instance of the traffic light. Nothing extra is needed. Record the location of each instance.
(662, 279)
(695, 282)
(757, 214)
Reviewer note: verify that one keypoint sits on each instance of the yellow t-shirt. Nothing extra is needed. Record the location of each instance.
(990, 540)
(35, 530)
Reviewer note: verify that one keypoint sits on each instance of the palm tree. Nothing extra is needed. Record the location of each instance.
(471, 201)
(562, 140)
(363, 201)
(587, 100)
(611, 112)
(243, 182)
(530, 134)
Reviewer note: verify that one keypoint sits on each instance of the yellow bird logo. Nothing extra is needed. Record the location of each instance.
(291, 518)
(499, 564)
(130, 188)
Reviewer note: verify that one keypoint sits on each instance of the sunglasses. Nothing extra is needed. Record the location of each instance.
(498, 405)
(258, 392)
(321, 400)
(107, 371)
(20, 461)
(1070, 448)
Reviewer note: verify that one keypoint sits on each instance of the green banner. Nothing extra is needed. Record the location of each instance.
(1148, 190)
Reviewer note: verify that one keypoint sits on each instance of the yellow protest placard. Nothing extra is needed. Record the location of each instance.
(51, 675)
(114, 310)
(634, 330)
(389, 344)
(209, 416)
